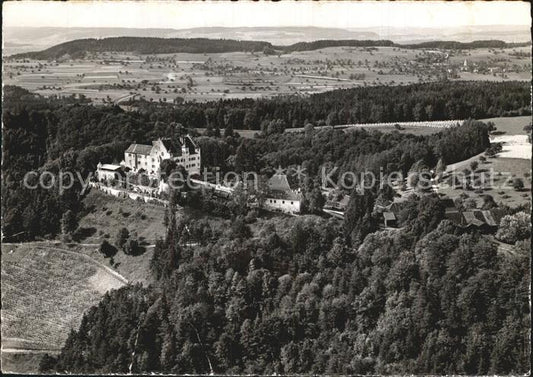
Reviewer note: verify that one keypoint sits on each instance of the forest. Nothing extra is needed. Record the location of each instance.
(360, 150)
(305, 294)
(70, 134)
(75, 137)
(79, 48)
(315, 296)
(451, 45)
(416, 102)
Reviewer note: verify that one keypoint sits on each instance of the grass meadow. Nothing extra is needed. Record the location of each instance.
(45, 291)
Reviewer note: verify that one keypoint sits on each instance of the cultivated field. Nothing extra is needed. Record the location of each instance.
(505, 127)
(510, 132)
(514, 161)
(202, 77)
(514, 146)
(46, 288)
(510, 125)
(421, 129)
(248, 134)
(499, 174)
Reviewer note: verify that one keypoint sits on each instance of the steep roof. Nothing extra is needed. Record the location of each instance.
(471, 218)
(488, 218)
(340, 204)
(287, 195)
(389, 216)
(279, 182)
(139, 149)
(190, 144)
(455, 216)
(173, 147)
(497, 214)
(280, 188)
(344, 201)
(396, 207)
(475, 217)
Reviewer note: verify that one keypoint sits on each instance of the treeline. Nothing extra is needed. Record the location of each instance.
(316, 45)
(73, 124)
(42, 133)
(33, 142)
(79, 48)
(453, 45)
(416, 102)
(449, 45)
(298, 298)
(359, 151)
(49, 135)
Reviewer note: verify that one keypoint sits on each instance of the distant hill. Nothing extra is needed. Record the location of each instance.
(77, 49)
(491, 43)
(25, 39)
(315, 45)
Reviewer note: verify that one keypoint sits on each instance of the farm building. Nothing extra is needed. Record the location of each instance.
(389, 220)
(389, 211)
(109, 172)
(485, 221)
(149, 157)
(338, 204)
(281, 196)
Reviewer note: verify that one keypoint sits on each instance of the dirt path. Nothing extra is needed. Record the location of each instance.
(53, 246)
(20, 350)
(457, 166)
(19, 345)
(102, 281)
(88, 258)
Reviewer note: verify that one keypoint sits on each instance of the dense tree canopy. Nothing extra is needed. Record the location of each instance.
(298, 295)
(415, 102)
(298, 299)
(70, 135)
(145, 45)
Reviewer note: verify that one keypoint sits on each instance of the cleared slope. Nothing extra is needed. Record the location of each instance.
(45, 291)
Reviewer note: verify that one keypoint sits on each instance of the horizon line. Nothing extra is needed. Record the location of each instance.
(345, 14)
(264, 26)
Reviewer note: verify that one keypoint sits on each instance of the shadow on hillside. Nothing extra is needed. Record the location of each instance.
(83, 233)
(139, 250)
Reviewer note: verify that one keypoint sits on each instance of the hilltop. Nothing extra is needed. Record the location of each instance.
(21, 39)
(149, 45)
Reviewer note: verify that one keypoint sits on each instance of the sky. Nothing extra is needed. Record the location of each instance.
(182, 15)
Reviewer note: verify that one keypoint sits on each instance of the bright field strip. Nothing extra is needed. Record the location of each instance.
(46, 290)
(245, 75)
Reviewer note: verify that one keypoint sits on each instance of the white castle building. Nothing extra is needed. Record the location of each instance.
(282, 196)
(149, 157)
